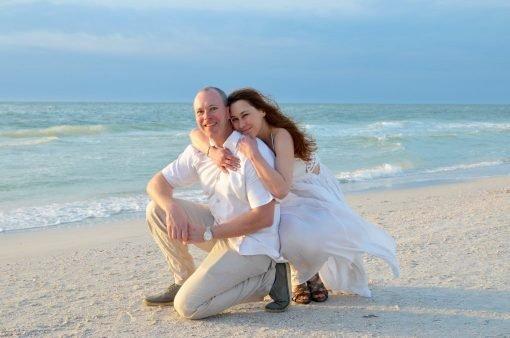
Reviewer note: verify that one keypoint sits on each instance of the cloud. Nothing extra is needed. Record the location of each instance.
(306, 6)
(178, 45)
(325, 7)
(345, 10)
(113, 44)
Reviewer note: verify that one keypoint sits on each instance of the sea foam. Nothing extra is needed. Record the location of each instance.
(386, 124)
(27, 143)
(473, 126)
(55, 214)
(55, 131)
(464, 166)
(384, 170)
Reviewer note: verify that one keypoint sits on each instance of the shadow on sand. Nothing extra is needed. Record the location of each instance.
(393, 311)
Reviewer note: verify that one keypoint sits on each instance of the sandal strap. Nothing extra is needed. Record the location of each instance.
(317, 288)
(315, 284)
(301, 291)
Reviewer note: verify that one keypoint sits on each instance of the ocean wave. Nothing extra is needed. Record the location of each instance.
(354, 132)
(366, 174)
(26, 143)
(464, 166)
(386, 124)
(55, 214)
(393, 141)
(474, 126)
(55, 131)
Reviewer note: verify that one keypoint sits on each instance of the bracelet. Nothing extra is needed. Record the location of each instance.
(208, 150)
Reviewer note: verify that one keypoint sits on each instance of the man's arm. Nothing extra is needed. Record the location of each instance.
(261, 202)
(244, 224)
(247, 223)
(176, 221)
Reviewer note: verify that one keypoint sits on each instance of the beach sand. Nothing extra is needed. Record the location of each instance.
(453, 246)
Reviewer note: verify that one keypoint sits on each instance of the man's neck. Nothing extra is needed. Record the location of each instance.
(220, 139)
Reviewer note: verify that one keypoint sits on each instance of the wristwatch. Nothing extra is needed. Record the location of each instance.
(208, 233)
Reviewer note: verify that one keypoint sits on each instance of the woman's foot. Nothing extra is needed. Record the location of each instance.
(318, 291)
(301, 294)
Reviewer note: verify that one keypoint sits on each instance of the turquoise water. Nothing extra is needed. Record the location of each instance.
(65, 163)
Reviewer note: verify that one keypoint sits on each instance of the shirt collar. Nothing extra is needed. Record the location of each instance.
(231, 141)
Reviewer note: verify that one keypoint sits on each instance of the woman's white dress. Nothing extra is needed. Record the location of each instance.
(319, 232)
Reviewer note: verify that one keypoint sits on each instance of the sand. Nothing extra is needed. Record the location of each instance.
(453, 246)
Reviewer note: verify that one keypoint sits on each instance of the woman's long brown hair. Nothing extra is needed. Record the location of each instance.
(304, 145)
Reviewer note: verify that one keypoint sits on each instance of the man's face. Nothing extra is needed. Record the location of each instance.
(211, 113)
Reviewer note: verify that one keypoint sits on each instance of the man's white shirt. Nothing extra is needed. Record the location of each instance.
(230, 194)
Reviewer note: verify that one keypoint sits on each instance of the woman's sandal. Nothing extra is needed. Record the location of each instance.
(301, 294)
(318, 291)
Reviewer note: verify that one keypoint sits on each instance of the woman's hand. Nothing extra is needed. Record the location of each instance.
(224, 159)
(248, 146)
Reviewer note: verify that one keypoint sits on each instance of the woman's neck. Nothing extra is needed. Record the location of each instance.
(265, 133)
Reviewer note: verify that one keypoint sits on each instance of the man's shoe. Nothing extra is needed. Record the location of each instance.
(281, 290)
(164, 298)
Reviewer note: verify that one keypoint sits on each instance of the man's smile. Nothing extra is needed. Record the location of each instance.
(209, 124)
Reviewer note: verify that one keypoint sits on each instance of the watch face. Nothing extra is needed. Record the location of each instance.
(207, 235)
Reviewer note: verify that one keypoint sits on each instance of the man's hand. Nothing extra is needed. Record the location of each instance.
(195, 233)
(176, 222)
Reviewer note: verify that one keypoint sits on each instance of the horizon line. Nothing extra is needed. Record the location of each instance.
(282, 102)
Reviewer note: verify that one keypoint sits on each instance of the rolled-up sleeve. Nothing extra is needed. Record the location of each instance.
(182, 171)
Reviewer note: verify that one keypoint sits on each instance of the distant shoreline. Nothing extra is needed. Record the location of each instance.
(139, 217)
(71, 163)
(50, 101)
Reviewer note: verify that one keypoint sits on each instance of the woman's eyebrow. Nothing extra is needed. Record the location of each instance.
(240, 113)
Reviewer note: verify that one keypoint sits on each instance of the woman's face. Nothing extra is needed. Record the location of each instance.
(245, 118)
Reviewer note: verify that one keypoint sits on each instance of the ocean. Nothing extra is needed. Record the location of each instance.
(66, 164)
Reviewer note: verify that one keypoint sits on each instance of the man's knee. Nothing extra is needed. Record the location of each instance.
(186, 308)
(151, 210)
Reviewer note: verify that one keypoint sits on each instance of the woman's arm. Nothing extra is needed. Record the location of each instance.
(222, 157)
(278, 180)
(199, 140)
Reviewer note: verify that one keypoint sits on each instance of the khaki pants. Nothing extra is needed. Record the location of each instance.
(225, 278)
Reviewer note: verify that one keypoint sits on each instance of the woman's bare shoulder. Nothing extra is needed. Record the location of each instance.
(283, 142)
(281, 134)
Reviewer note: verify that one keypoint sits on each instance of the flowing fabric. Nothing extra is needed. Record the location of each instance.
(319, 232)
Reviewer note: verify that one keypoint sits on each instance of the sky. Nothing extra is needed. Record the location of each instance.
(343, 51)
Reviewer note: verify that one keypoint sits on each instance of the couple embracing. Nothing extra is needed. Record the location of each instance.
(270, 203)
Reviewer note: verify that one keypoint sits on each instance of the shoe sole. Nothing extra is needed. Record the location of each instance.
(148, 303)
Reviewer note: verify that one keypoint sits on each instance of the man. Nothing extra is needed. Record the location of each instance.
(239, 229)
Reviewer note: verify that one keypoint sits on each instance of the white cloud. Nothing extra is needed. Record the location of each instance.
(307, 6)
(94, 44)
(341, 9)
(325, 7)
(178, 45)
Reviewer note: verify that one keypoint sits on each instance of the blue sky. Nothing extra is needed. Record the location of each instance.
(343, 51)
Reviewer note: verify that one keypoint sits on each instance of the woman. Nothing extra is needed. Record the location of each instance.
(322, 238)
